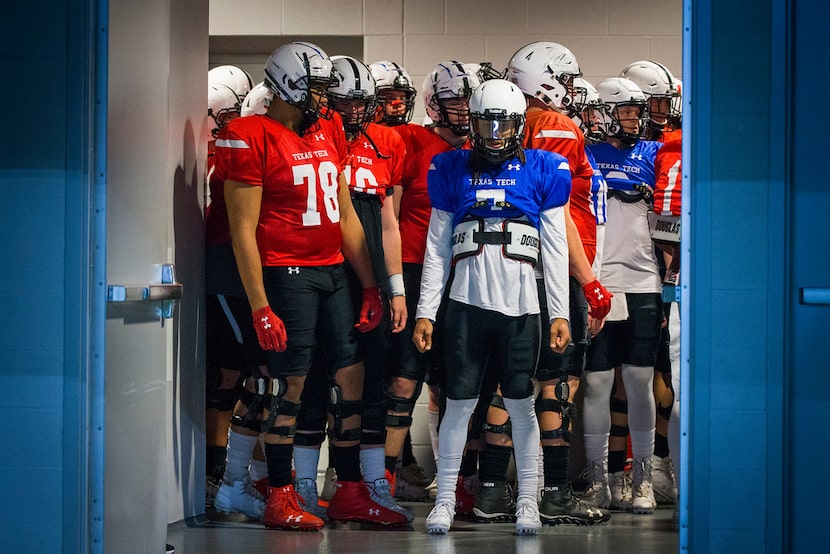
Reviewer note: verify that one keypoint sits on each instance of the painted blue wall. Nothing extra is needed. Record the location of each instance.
(731, 286)
(38, 246)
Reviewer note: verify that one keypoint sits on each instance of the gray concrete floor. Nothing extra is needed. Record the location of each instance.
(625, 533)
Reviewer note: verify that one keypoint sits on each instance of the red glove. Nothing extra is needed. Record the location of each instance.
(371, 310)
(269, 329)
(599, 299)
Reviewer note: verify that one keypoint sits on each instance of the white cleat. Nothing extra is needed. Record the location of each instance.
(440, 518)
(528, 521)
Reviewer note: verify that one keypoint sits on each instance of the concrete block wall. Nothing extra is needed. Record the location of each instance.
(604, 35)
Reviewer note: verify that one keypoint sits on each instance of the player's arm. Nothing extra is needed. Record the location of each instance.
(394, 267)
(555, 252)
(244, 203)
(436, 270)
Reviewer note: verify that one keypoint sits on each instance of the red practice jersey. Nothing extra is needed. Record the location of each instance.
(421, 145)
(370, 173)
(555, 132)
(299, 221)
(667, 168)
(217, 230)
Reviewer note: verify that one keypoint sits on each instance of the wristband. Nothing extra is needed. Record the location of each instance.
(396, 287)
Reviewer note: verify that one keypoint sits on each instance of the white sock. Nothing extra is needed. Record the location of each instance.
(432, 424)
(306, 460)
(451, 442)
(240, 448)
(258, 470)
(525, 445)
(372, 464)
(642, 409)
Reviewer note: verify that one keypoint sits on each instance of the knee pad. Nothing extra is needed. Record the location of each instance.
(312, 439)
(504, 429)
(280, 406)
(340, 410)
(560, 405)
(374, 424)
(255, 403)
(399, 404)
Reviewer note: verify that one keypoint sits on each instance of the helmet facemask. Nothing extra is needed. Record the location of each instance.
(622, 121)
(455, 113)
(496, 136)
(355, 111)
(396, 105)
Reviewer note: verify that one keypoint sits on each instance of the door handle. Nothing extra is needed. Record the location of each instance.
(812, 295)
(165, 292)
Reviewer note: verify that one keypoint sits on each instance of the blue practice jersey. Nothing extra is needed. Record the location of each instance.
(628, 168)
(508, 190)
(599, 191)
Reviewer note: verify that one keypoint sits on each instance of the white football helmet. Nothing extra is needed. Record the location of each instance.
(617, 94)
(589, 108)
(223, 106)
(497, 119)
(545, 70)
(394, 86)
(353, 93)
(258, 100)
(661, 89)
(446, 91)
(299, 73)
(238, 80)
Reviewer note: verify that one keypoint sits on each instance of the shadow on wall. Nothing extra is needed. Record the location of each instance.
(189, 336)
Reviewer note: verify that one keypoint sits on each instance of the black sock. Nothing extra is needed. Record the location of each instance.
(407, 456)
(469, 463)
(390, 462)
(215, 460)
(278, 458)
(556, 465)
(494, 461)
(616, 461)
(661, 445)
(348, 463)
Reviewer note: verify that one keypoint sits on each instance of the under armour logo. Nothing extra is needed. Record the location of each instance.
(598, 294)
(511, 167)
(319, 136)
(265, 324)
(293, 270)
(374, 511)
(295, 518)
(636, 156)
(366, 145)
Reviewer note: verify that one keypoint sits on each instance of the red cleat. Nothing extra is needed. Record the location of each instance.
(262, 487)
(351, 502)
(283, 511)
(465, 500)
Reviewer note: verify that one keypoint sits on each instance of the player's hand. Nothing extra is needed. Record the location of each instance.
(560, 335)
(269, 329)
(371, 310)
(397, 305)
(599, 299)
(422, 335)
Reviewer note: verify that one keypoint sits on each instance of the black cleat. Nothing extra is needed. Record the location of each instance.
(560, 507)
